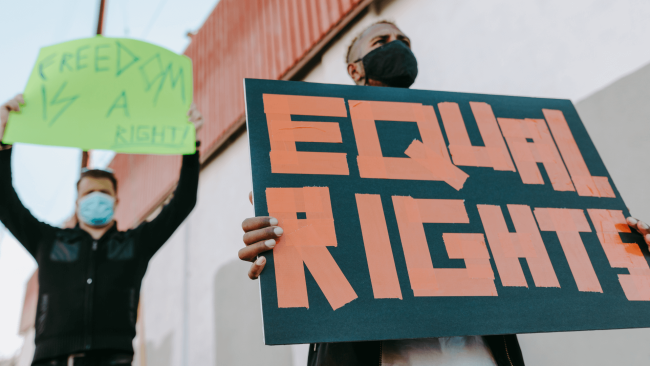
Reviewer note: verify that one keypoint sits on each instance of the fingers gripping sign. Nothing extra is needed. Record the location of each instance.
(260, 234)
(195, 117)
(12, 105)
(641, 227)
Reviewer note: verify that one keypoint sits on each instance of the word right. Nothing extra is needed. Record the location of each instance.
(305, 242)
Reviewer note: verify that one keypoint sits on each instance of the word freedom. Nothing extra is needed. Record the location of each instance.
(111, 57)
(97, 93)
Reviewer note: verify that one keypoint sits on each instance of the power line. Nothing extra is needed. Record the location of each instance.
(154, 18)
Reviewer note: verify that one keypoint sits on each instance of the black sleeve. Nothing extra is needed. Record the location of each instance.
(153, 234)
(20, 222)
(505, 349)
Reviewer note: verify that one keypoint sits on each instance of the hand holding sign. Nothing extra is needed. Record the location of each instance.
(259, 237)
(12, 105)
(641, 227)
(195, 117)
(107, 93)
(416, 214)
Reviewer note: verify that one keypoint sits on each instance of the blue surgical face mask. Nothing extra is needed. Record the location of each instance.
(96, 209)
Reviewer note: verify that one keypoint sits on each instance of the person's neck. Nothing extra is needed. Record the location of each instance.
(96, 231)
(373, 82)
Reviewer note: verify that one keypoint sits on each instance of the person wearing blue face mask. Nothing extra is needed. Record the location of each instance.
(96, 209)
(90, 273)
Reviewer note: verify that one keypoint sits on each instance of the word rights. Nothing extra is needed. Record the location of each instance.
(552, 145)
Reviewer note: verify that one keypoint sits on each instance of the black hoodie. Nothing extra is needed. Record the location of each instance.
(89, 289)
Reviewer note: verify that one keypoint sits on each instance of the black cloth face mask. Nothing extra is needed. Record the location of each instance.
(393, 64)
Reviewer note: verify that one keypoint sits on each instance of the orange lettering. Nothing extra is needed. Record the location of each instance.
(568, 224)
(608, 223)
(541, 150)
(381, 264)
(428, 159)
(475, 280)
(284, 133)
(508, 247)
(585, 184)
(493, 155)
(305, 241)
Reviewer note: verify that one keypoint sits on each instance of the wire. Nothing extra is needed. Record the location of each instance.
(154, 18)
(125, 14)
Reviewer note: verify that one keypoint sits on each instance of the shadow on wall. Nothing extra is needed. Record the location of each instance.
(161, 355)
(238, 318)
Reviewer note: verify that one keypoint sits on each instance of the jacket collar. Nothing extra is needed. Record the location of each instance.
(104, 237)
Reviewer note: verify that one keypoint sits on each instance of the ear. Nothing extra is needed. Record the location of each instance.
(356, 72)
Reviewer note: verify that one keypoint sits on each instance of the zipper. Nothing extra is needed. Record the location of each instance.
(381, 346)
(90, 287)
(507, 353)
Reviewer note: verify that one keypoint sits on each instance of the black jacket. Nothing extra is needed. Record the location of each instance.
(89, 289)
(505, 350)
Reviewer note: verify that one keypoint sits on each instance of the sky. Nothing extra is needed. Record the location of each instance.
(45, 177)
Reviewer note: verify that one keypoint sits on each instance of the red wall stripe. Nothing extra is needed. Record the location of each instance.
(240, 39)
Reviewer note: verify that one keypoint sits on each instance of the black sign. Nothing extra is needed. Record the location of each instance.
(413, 213)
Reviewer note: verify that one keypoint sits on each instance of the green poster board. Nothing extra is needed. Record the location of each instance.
(107, 93)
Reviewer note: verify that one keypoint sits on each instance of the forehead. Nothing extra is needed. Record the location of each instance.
(96, 184)
(381, 29)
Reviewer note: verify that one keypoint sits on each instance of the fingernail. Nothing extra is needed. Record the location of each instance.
(632, 220)
(278, 231)
(647, 237)
(643, 225)
(273, 221)
(260, 261)
(270, 243)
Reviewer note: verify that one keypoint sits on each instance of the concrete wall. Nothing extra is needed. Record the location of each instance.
(220, 322)
(618, 120)
(199, 308)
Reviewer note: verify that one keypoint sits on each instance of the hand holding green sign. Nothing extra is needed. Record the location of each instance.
(107, 93)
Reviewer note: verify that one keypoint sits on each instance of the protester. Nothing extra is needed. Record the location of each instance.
(381, 56)
(90, 274)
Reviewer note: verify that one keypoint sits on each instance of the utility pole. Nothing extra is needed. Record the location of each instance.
(100, 20)
(100, 29)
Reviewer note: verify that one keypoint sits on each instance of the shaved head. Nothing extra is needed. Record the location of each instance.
(371, 38)
(354, 50)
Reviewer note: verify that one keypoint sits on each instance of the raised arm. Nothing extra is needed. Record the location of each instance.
(155, 233)
(13, 214)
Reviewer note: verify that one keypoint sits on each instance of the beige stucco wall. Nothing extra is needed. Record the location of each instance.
(223, 324)
(547, 48)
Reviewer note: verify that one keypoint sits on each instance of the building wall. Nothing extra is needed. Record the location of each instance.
(618, 120)
(199, 308)
(220, 322)
(263, 39)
